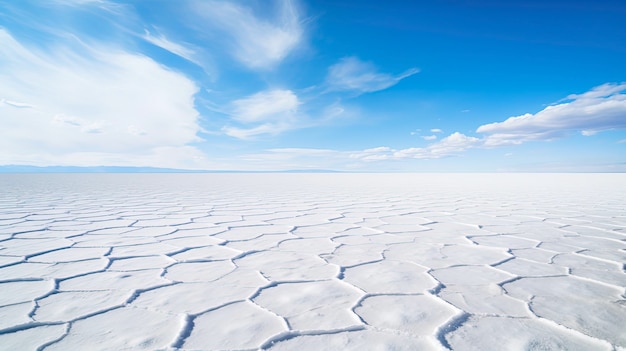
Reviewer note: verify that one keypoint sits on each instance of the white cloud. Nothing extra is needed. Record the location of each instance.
(301, 151)
(249, 133)
(256, 42)
(352, 74)
(94, 107)
(271, 105)
(80, 2)
(16, 104)
(266, 112)
(602, 108)
(117, 10)
(604, 102)
(373, 154)
(102, 4)
(272, 112)
(454, 143)
(448, 146)
(192, 53)
(164, 43)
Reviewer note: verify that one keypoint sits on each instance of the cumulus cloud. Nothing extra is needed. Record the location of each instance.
(352, 74)
(266, 112)
(93, 107)
(299, 158)
(602, 108)
(454, 143)
(448, 146)
(258, 43)
(604, 104)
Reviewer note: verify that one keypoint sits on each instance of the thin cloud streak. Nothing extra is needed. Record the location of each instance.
(164, 43)
(266, 112)
(266, 106)
(256, 42)
(352, 74)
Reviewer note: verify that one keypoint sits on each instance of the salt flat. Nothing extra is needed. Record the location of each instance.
(313, 261)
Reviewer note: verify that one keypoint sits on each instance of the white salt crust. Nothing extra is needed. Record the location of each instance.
(312, 261)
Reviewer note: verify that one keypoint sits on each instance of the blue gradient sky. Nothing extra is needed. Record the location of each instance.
(344, 85)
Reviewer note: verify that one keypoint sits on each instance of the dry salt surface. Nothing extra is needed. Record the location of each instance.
(313, 262)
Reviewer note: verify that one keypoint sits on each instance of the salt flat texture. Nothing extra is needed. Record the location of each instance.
(313, 262)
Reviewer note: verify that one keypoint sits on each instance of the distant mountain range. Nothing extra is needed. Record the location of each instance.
(120, 169)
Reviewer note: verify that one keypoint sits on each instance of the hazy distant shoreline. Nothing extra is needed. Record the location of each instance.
(141, 170)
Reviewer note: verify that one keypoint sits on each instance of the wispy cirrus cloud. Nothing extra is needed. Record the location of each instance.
(16, 104)
(601, 108)
(113, 7)
(266, 112)
(270, 105)
(175, 48)
(352, 74)
(84, 107)
(80, 2)
(373, 154)
(256, 42)
(189, 52)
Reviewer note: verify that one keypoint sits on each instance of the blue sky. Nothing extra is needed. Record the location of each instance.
(444, 85)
